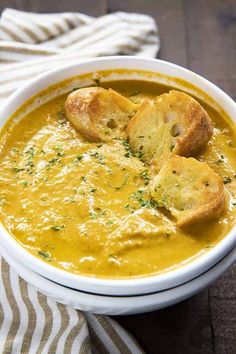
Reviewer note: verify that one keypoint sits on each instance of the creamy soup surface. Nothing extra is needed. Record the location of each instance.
(83, 206)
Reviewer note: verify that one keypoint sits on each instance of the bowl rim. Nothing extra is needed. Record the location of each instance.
(111, 305)
(108, 286)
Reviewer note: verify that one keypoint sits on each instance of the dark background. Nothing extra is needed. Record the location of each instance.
(200, 35)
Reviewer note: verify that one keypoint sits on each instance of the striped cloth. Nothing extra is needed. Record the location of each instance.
(47, 41)
(30, 322)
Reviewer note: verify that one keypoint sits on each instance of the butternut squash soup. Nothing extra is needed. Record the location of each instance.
(84, 206)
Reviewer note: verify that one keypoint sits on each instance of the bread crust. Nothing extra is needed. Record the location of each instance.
(189, 189)
(175, 122)
(97, 113)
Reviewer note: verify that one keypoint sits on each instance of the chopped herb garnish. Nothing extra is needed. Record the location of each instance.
(30, 163)
(31, 151)
(94, 215)
(61, 114)
(98, 156)
(227, 180)
(52, 162)
(128, 152)
(77, 159)
(221, 159)
(130, 208)
(17, 169)
(57, 227)
(139, 155)
(45, 255)
(61, 117)
(24, 183)
(60, 154)
(93, 190)
(144, 175)
(147, 203)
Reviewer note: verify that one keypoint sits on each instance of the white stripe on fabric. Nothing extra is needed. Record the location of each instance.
(40, 320)
(79, 338)
(55, 325)
(73, 319)
(102, 334)
(15, 28)
(25, 23)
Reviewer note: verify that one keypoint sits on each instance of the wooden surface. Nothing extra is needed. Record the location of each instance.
(200, 35)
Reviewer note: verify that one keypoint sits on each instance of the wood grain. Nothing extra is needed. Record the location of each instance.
(183, 328)
(200, 35)
(90, 7)
(211, 38)
(169, 15)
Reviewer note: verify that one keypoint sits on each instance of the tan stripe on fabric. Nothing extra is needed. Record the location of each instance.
(48, 322)
(41, 26)
(69, 23)
(14, 307)
(97, 343)
(116, 339)
(73, 333)
(26, 30)
(31, 316)
(26, 50)
(58, 27)
(85, 346)
(1, 315)
(64, 324)
(10, 33)
(7, 61)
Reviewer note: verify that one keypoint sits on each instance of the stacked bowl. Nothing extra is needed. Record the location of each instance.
(118, 296)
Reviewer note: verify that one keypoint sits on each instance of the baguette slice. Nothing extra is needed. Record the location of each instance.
(189, 189)
(99, 114)
(175, 122)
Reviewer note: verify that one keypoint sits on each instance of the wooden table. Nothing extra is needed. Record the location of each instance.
(200, 35)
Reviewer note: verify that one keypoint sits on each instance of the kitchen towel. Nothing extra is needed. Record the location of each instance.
(30, 44)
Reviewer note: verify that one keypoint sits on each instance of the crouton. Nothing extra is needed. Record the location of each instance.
(174, 122)
(99, 114)
(189, 189)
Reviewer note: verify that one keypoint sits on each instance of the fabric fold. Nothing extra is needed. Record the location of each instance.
(31, 44)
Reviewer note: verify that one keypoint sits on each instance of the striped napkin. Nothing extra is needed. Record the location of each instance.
(30, 44)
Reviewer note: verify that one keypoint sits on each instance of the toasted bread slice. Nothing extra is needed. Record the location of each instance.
(175, 122)
(189, 189)
(99, 114)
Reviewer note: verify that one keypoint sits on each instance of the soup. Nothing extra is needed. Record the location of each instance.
(77, 204)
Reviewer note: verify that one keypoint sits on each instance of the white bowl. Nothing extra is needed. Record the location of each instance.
(119, 305)
(156, 70)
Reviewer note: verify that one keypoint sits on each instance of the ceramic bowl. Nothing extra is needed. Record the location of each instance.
(68, 77)
(119, 305)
